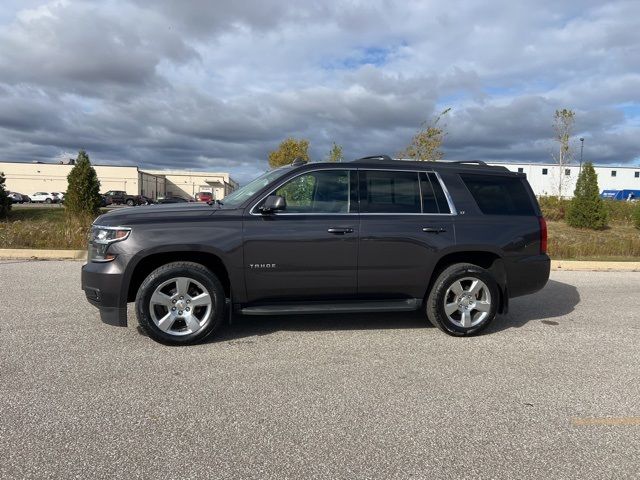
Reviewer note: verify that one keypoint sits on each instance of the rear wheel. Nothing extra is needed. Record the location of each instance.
(48, 200)
(463, 300)
(180, 303)
(130, 202)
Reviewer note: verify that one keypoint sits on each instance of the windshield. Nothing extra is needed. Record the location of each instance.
(244, 193)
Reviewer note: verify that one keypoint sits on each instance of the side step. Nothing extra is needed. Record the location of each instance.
(361, 306)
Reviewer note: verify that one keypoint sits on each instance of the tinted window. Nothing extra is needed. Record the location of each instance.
(497, 195)
(429, 203)
(443, 205)
(433, 197)
(324, 191)
(389, 192)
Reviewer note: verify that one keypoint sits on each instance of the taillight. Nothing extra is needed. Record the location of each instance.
(543, 235)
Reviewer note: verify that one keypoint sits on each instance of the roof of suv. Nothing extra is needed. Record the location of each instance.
(385, 161)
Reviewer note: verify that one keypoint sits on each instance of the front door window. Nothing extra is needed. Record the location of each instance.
(323, 191)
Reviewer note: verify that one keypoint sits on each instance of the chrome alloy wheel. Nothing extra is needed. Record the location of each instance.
(180, 306)
(467, 302)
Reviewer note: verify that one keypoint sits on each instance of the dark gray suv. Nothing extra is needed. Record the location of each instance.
(457, 239)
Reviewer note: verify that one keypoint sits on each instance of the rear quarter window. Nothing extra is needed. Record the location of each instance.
(497, 195)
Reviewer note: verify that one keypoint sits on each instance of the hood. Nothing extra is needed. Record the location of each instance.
(126, 216)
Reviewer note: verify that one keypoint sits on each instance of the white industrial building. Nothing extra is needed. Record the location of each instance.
(27, 178)
(545, 178)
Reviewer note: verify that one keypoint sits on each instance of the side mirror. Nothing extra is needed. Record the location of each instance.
(273, 203)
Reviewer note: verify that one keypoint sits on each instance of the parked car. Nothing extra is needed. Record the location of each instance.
(15, 197)
(204, 197)
(44, 197)
(144, 200)
(120, 197)
(174, 199)
(455, 240)
(26, 199)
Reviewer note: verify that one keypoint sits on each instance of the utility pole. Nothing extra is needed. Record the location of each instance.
(581, 148)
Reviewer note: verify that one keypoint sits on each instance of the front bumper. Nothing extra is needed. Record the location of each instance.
(103, 284)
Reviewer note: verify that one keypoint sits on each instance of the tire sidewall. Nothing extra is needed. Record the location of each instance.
(161, 275)
(445, 281)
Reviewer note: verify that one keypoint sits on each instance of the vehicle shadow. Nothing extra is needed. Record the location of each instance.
(555, 300)
(249, 326)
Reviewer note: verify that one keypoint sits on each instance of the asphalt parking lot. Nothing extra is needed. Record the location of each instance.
(551, 391)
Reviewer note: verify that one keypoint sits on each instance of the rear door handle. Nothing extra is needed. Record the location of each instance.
(434, 229)
(340, 230)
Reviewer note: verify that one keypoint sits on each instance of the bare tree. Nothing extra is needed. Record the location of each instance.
(563, 121)
(335, 154)
(426, 144)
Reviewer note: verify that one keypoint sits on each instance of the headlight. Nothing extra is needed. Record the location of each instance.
(101, 237)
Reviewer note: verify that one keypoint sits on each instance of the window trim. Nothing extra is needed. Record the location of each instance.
(452, 208)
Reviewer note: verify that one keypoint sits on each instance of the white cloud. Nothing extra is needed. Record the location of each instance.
(187, 84)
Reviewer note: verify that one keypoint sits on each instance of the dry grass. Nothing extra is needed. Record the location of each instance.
(44, 228)
(618, 242)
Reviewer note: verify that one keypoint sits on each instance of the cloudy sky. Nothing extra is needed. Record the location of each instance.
(216, 85)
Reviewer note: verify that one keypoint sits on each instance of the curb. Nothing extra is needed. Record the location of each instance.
(36, 254)
(593, 266)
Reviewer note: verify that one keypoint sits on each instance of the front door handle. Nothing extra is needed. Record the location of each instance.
(340, 230)
(434, 230)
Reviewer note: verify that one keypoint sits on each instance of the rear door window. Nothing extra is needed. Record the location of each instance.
(433, 198)
(497, 195)
(389, 192)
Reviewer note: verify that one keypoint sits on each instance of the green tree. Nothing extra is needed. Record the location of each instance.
(288, 150)
(335, 154)
(587, 209)
(563, 121)
(83, 192)
(426, 144)
(5, 201)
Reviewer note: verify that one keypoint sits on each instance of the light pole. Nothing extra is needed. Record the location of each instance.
(581, 149)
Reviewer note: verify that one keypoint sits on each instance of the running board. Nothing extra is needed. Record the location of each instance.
(362, 306)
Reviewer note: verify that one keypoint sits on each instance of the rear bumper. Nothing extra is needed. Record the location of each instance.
(102, 284)
(527, 275)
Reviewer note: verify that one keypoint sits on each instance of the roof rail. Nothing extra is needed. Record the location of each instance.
(477, 162)
(386, 158)
(298, 161)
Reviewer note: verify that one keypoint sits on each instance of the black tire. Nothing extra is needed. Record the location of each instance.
(130, 202)
(437, 299)
(48, 200)
(193, 271)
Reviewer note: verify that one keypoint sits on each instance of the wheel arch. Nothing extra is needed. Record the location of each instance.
(148, 263)
(489, 260)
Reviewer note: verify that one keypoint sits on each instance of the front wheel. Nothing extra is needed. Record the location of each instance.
(48, 200)
(180, 303)
(463, 300)
(130, 202)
